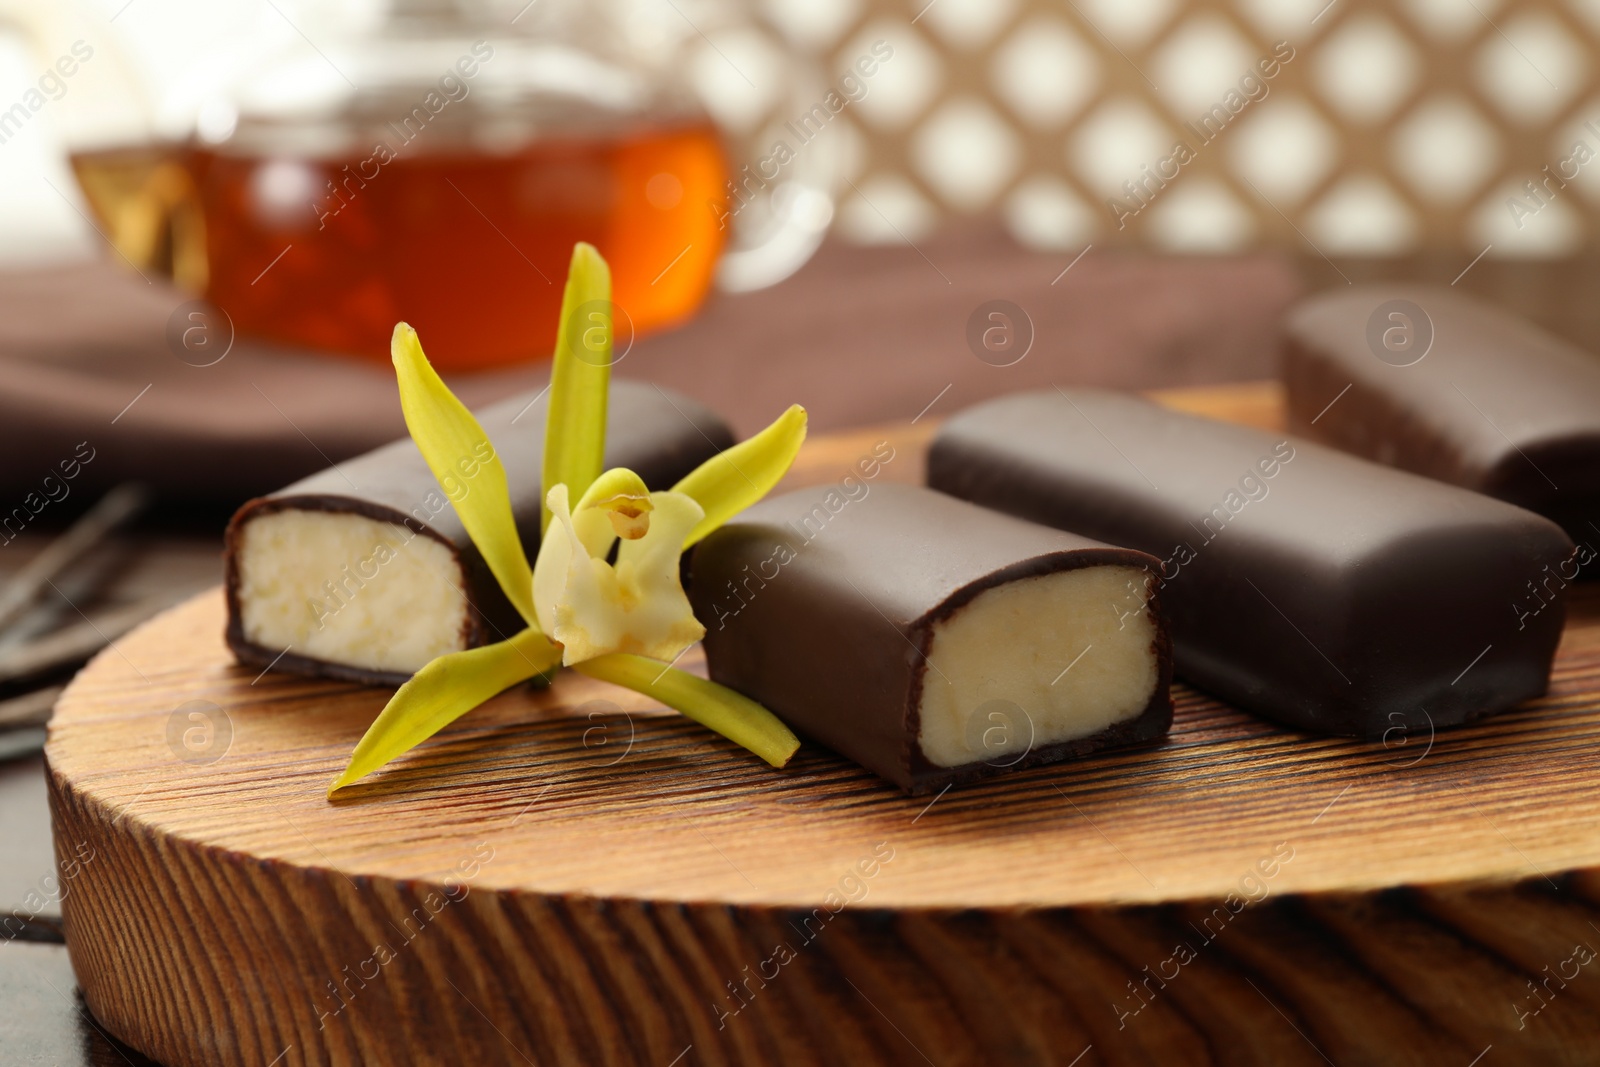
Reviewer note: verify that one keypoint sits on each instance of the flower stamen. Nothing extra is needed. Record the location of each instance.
(629, 515)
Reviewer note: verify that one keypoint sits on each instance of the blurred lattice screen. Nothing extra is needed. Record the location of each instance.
(1394, 127)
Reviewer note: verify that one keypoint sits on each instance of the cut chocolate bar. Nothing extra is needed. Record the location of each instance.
(1302, 584)
(929, 640)
(364, 571)
(1432, 381)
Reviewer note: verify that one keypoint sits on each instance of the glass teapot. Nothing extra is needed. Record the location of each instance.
(434, 161)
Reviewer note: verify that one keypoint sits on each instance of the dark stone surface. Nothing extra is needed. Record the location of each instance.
(42, 1018)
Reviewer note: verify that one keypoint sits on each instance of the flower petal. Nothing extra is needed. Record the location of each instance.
(574, 589)
(442, 692)
(580, 377)
(556, 551)
(731, 714)
(732, 480)
(466, 465)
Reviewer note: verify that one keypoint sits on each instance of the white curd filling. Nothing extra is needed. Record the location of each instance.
(348, 589)
(1038, 661)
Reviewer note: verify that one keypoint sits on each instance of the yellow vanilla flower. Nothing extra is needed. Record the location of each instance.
(622, 622)
(590, 607)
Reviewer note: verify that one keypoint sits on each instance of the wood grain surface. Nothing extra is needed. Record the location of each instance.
(575, 876)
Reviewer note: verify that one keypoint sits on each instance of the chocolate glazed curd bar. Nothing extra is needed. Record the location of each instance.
(929, 640)
(364, 572)
(1461, 392)
(1301, 584)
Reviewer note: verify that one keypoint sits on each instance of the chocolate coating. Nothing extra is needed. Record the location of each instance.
(1300, 583)
(660, 435)
(835, 641)
(1495, 404)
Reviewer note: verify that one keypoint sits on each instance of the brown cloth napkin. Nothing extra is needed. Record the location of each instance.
(867, 335)
(859, 335)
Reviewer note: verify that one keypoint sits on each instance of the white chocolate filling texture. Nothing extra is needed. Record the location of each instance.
(348, 589)
(1038, 661)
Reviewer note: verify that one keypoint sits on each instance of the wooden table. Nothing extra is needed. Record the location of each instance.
(578, 877)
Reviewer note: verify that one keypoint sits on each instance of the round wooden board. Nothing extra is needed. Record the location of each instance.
(576, 876)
